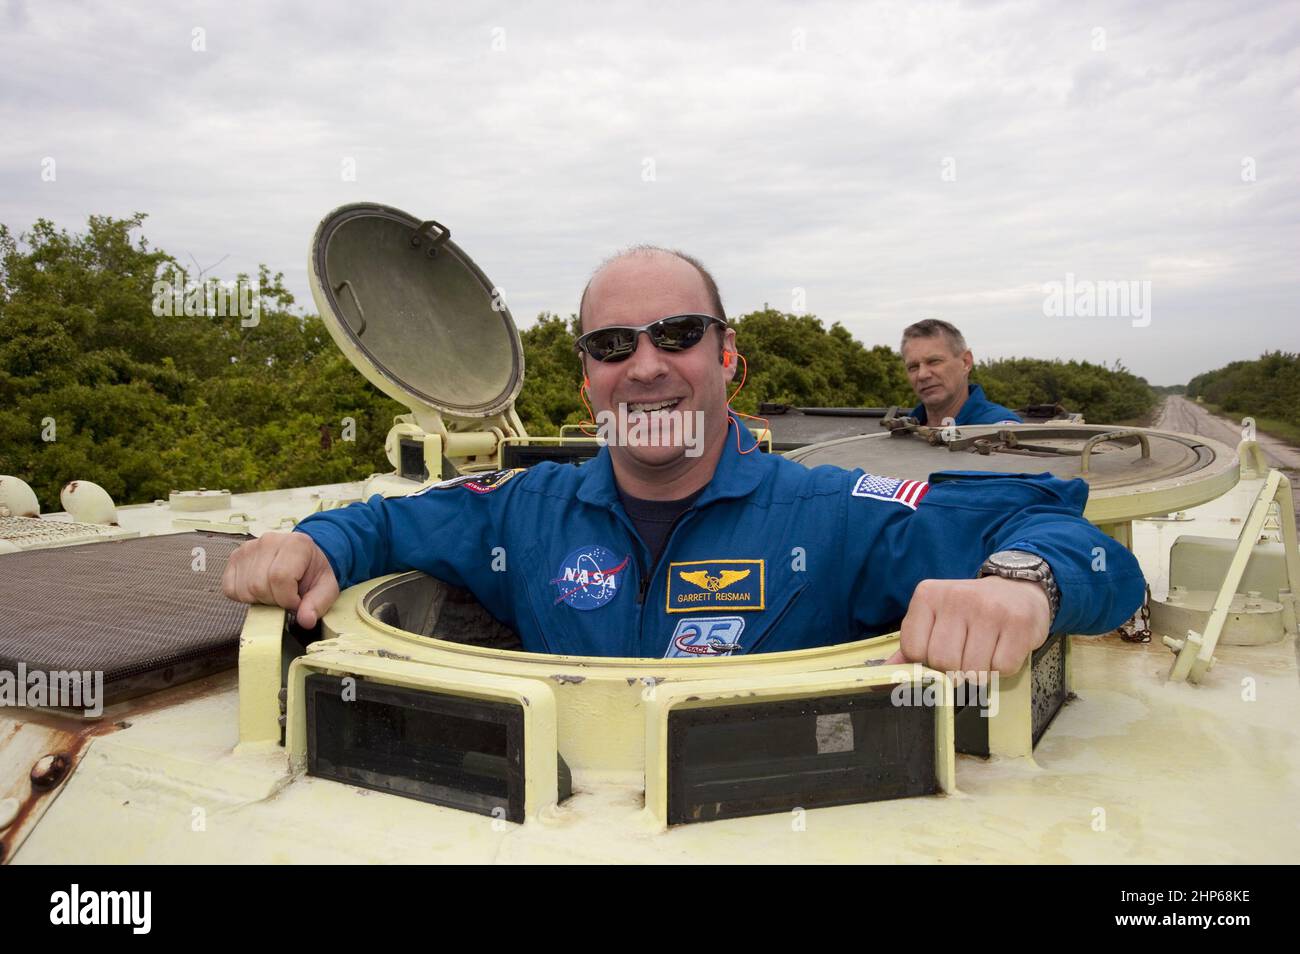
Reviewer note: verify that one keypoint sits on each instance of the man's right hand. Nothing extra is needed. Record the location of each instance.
(283, 569)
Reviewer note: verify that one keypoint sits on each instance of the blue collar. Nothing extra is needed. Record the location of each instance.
(736, 475)
(974, 393)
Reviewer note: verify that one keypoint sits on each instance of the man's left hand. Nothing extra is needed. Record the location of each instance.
(974, 625)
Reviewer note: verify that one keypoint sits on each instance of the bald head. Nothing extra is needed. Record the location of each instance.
(635, 289)
(675, 275)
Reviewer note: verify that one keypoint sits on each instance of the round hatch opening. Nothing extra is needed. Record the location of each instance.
(1132, 472)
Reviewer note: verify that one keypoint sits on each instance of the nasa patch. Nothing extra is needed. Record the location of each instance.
(590, 577)
(906, 492)
(478, 483)
(705, 636)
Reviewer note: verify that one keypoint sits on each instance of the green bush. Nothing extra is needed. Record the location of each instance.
(1102, 395)
(1268, 387)
(143, 404)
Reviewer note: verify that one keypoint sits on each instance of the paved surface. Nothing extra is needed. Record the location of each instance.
(1179, 414)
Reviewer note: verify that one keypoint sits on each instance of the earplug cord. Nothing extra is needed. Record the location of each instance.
(582, 393)
(767, 425)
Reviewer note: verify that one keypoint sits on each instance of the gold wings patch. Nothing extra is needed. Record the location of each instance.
(723, 580)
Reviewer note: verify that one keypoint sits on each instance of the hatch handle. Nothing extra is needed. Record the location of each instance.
(1111, 436)
(437, 240)
(357, 301)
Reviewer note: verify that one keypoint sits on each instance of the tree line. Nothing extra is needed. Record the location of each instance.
(1267, 388)
(95, 384)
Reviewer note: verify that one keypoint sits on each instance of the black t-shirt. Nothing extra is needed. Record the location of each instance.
(654, 519)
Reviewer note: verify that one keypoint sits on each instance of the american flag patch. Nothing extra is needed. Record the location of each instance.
(906, 492)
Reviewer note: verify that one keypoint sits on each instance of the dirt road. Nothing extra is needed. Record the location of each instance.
(1180, 414)
(1188, 417)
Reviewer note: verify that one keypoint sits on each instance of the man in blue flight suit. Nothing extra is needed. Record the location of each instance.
(663, 549)
(938, 365)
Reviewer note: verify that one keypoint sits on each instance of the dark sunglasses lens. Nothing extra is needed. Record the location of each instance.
(611, 344)
(679, 333)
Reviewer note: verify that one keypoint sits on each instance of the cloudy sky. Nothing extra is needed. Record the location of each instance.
(873, 163)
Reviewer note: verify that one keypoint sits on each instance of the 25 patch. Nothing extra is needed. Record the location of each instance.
(715, 584)
(705, 636)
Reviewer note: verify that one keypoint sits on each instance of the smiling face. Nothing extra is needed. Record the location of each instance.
(938, 376)
(635, 290)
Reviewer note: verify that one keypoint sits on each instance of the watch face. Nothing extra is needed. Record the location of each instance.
(1016, 560)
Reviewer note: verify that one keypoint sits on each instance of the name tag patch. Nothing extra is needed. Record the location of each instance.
(716, 584)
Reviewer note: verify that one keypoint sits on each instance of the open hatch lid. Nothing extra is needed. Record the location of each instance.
(413, 312)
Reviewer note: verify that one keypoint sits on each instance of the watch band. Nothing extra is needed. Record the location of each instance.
(1022, 565)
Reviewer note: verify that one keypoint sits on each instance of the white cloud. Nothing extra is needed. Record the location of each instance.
(793, 145)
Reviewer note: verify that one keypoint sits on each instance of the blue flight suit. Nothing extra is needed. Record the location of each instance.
(772, 556)
(977, 410)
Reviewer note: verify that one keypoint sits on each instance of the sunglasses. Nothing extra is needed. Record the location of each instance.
(618, 342)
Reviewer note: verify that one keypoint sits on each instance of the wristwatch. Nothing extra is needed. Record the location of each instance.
(1020, 565)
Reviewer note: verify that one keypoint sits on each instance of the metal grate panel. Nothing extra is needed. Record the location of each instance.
(1049, 688)
(32, 533)
(147, 612)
